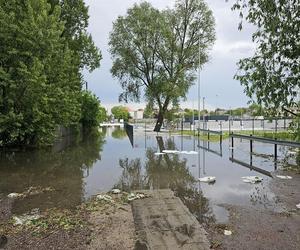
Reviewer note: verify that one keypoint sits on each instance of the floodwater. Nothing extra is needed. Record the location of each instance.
(110, 160)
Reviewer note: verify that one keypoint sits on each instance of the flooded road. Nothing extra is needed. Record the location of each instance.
(100, 163)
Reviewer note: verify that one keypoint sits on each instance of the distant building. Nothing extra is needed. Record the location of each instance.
(136, 114)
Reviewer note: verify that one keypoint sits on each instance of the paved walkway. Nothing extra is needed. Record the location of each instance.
(163, 222)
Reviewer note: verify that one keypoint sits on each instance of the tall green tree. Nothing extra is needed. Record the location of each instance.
(40, 73)
(156, 53)
(271, 75)
(75, 16)
(120, 112)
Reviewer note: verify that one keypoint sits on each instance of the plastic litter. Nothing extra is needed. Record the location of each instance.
(14, 195)
(29, 192)
(25, 219)
(104, 197)
(252, 179)
(298, 205)
(116, 191)
(189, 152)
(133, 196)
(292, 152)
(208, 179)
(284, 177)
(227, 232)
(171, 151)
(159, 153)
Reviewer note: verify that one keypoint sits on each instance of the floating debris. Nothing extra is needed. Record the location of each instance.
(292, 152)
(116, 191)
(298, 205)
(133, 196)
(26, 219)
(171, 151)
(15, 195)
(227, 232)
(284, 177)
(30, 191)
(231, 147)
(159, 153)
(208, 179)
(189, 152)
(104, 197)
(252, 179)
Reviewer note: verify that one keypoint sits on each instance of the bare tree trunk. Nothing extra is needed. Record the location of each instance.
(159, 121)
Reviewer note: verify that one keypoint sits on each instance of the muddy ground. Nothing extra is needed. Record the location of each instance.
(93, 225)
(103, 225)
(273, 228)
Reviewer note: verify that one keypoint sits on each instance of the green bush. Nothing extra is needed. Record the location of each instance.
(91, 111)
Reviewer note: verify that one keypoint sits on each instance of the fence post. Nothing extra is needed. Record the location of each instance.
(251, 146)
(232, 142)
(251, 151)
(275, 150)
(208, 134)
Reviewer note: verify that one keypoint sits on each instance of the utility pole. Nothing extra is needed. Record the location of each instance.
(199, 70)
(203, 108)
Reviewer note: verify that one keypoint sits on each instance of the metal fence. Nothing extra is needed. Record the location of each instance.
(277, 124)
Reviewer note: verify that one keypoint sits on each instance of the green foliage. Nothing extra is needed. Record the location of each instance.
(272, 74)
(148, 112)
(190, 113)
(118, 133)
(120, 112)
(75, 16)
(157, 52)
(92, 112)
(40, 79)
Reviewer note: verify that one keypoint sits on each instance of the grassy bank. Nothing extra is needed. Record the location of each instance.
(280, 135)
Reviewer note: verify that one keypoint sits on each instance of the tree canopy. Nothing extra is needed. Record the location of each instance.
(40, 70)
(271, 75)
(156, 53)
(120, 112)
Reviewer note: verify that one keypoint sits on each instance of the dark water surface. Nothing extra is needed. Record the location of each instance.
(111, 160)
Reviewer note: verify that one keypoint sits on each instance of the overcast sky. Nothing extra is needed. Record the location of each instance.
(217, 84)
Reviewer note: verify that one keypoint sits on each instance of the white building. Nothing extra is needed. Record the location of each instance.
(136, 114)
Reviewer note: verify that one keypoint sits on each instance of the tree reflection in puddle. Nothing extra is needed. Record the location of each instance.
(63, 171)
(166, 172)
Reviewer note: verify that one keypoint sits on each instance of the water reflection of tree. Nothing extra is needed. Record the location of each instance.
(166, 171)
(64, 171)
(132, 177)
(118, 133)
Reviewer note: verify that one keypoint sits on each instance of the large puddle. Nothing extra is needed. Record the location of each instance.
(111, 160)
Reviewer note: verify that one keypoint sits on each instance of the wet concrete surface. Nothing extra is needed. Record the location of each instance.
(163, 222)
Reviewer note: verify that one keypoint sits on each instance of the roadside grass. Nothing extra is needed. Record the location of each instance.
(280, 135)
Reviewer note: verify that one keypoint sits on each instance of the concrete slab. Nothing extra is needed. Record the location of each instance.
(163, 222)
